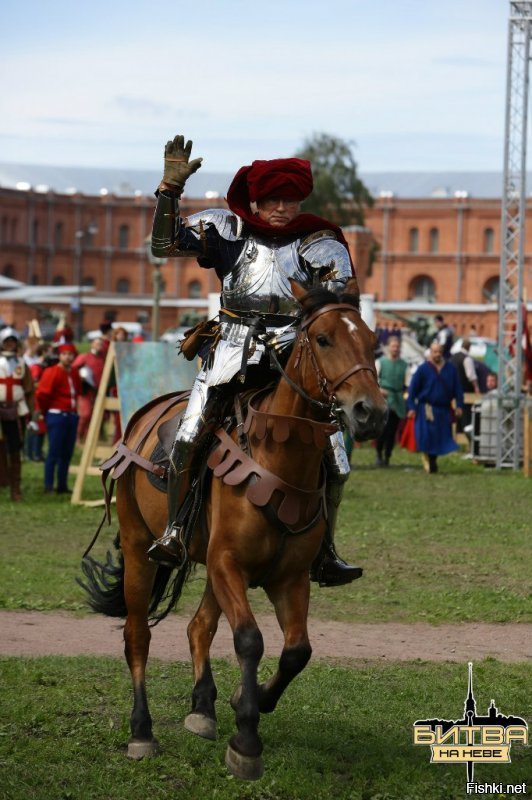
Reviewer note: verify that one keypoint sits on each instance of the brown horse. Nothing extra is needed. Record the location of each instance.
(251, 512)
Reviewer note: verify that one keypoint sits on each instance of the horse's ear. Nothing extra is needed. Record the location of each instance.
(297, 290)
(351, 287)
(351, 293)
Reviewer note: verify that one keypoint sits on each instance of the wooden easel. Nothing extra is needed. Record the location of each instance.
(95, 451)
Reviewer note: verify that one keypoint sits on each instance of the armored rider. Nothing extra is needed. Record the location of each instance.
(255, 247)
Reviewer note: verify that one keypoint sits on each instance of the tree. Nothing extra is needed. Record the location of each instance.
(338, 193)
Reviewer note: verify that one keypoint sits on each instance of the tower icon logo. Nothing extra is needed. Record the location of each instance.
(475, 738)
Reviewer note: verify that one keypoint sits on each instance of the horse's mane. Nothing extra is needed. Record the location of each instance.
(318, 296)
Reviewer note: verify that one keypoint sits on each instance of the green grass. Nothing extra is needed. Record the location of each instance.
(450, 547)
(337, 733)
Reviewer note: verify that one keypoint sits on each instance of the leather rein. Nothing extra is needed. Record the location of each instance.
(328, 387)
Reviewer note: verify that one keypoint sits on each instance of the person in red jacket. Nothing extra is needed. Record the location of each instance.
(57, 395)
(90, 366)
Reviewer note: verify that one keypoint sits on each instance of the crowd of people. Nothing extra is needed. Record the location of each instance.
(425, 400)
(48, 390)
(47, 396)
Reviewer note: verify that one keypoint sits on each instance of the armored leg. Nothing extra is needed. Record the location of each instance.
(187, 452)
(328, 568)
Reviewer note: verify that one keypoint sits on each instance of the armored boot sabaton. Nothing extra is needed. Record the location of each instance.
(328, 568)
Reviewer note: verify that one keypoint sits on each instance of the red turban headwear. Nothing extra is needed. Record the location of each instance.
(67, 347)
(289, 178)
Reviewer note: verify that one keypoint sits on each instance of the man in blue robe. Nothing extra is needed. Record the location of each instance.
(433, 387)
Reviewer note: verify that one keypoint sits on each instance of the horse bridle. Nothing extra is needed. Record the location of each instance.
(327, 385)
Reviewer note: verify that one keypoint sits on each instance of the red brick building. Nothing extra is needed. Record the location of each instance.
(439, 253)
(56, 242)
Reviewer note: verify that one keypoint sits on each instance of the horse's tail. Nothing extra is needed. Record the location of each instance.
(104, 586)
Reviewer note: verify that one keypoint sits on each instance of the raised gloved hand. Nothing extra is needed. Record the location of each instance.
(177, 164)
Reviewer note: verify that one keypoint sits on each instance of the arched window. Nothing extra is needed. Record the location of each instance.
(14, 229)
(5, 229)
(87, 281)
(122, 286)
(58, 235)
(434, 240)
(489, 240)
(413, 240)
(58, 280)
(8, 271)
(490, 290)
(194, 290)
(423, 289)
(34, 279)
(123, 237)
(35, 232)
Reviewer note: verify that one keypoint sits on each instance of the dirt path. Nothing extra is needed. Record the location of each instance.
(33, 633)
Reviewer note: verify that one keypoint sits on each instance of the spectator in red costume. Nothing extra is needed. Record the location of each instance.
(36, 431)
(90, 366)
(57, 395)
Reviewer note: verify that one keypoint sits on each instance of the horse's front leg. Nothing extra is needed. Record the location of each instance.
(243, 756)
(201, 632)
(291, 601)
(138, 583)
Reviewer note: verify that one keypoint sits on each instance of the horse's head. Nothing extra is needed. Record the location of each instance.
(335, 353)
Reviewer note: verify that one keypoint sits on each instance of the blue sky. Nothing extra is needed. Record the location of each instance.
(416, 84)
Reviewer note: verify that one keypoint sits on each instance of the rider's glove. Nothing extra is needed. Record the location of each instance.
(177, 164)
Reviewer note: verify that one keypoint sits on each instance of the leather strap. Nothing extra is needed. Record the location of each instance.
(234, 467)
(351, 371)
(326, 310)
(281, 426)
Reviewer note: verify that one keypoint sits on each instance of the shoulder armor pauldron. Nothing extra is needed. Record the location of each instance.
(322, 249)
(228, 225)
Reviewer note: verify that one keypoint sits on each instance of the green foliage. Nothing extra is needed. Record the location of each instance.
(338, 732)
(451, 547)
(339, 194)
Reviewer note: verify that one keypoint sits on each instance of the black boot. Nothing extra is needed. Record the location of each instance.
(170, 548)
(328, 568)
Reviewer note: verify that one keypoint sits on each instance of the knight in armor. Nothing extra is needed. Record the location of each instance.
(256, 246)
(16, 398)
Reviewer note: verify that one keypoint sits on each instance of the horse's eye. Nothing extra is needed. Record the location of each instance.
(322, 340)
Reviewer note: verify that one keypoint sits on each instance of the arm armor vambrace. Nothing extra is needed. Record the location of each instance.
(165, 230)
(171, 237)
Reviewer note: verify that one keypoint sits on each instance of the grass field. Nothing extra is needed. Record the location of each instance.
(445, 548)
(338, 733)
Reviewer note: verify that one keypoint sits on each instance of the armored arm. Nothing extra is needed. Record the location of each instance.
(169, 235)
(326, 259)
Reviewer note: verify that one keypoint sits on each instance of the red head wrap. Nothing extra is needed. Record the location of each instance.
(67, 347)
(289, 178)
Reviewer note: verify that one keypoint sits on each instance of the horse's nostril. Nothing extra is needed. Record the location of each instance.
(362, 411)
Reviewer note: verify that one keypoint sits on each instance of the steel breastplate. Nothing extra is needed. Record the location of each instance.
(260, 279)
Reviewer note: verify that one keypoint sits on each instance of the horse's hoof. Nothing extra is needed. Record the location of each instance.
(248, 768)
(236, 697)
(138, 749)
(201, 725)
